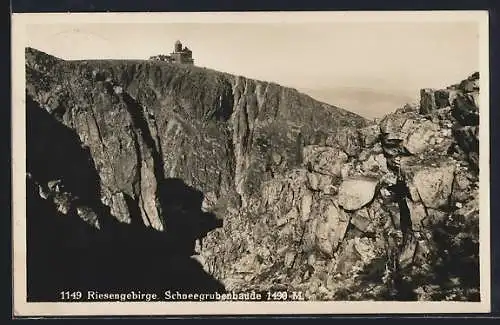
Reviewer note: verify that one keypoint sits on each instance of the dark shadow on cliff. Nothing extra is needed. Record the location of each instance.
(184, 219)
(64, 253)
(54, 152)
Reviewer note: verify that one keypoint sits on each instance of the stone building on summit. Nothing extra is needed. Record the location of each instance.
(180, 55)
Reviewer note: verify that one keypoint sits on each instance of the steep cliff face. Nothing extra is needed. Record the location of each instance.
(145, 121)
(308, 196)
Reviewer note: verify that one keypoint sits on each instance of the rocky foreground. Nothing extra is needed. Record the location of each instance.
(152, 169)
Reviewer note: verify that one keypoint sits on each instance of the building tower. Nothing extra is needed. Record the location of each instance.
(180, 55)
(178, 46)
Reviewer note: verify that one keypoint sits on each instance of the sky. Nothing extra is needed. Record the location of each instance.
(392, 59)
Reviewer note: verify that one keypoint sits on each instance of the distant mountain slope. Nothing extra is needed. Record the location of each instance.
(369, 103)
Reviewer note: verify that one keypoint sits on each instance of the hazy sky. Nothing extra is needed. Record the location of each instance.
(398, 58)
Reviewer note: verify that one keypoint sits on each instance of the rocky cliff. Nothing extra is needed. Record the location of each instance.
(247, 184)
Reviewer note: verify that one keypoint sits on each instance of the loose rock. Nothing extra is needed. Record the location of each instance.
(354, 193)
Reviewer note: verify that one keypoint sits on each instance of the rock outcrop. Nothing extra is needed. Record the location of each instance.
(309, 197)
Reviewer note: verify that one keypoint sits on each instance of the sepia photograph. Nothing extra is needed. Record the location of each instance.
(250, 163)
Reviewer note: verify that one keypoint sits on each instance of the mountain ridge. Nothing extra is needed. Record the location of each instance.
(34, 53)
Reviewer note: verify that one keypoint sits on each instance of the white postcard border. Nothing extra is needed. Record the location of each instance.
(23, 308)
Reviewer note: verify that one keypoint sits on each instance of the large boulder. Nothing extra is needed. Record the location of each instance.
(392, 124)
(375, 164)
(465, 108)
(434, 185)
(432, 100)
(427, 101)
(331, 227)
(470, 84)
(394, 129)
(420, 136)
(356, 192)
(324, 160)
(442, 98)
